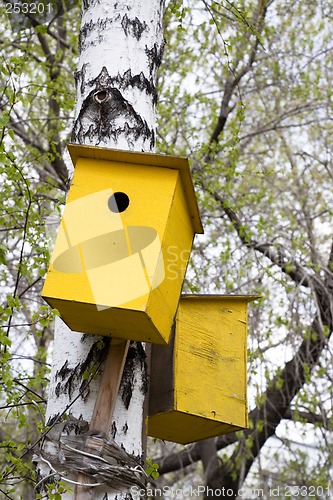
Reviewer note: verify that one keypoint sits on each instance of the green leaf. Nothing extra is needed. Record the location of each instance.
(4, 118)
(11, 133)
(41, 28)
(3, 251)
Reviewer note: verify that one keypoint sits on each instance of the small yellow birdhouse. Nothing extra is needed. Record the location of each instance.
(198, 386)
(123, 245)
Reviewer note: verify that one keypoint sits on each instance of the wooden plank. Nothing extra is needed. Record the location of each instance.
(104, 407)
(107, 395)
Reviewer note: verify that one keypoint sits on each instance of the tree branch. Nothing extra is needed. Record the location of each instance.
(235, 78)
(276, 254)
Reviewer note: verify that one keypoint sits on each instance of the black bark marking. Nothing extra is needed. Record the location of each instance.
(125, 428)
(106, 114)
(136, 355)
(144, 368)
(127, 381)
(75, 426)
(70, 379)
(80, 78)
(65, 425)
(135, 81)
(64, 371)
(155, 55)
(86, 4)
(97, 28)
(53, 420)
(133, 27)
(113, 430)
(95, 357)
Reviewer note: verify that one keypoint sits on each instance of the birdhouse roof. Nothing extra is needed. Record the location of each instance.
(148, 159)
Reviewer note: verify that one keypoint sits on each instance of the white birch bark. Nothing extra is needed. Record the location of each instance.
(121, 42)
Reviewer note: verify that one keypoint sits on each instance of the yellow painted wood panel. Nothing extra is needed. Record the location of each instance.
(114, 322)
(177, 245)
(211, 344)
(93, 230)
(150, 190)
(153, 160)
(184, 428)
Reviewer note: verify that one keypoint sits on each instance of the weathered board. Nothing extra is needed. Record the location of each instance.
(198, 386)
(123, 245)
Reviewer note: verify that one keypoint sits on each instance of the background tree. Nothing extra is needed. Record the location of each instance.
(37, 98)
(246, 93)
(258, 122)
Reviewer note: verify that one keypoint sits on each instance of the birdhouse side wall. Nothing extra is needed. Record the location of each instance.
(161, 385)
(176, 247)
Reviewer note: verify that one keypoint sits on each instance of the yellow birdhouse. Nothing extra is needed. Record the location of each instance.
(198, 382)
(123, 245)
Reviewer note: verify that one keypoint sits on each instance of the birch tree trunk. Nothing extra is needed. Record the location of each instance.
(120, 46)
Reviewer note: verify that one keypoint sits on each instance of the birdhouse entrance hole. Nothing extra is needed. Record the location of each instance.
(118, 202)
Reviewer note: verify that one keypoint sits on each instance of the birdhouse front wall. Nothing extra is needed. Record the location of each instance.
(109, 273)
(198, 382)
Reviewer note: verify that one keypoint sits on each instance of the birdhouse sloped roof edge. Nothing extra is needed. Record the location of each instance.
(149, 159)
